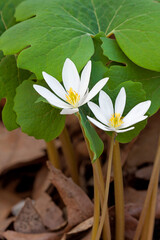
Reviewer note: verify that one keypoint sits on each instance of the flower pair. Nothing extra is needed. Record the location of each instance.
(75, 93)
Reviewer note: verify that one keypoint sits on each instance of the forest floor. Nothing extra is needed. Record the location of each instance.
(39, 202)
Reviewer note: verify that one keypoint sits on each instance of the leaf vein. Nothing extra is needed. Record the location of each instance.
(118, 9)
(77, 20)
(94, 9)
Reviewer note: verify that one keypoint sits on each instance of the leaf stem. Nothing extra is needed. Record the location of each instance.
(155, 172)
(69, 155)
(153, 209)
(108, 175)
(96, 209)
(53, 154)
(148, 226)
(118, 191)
(98, 176)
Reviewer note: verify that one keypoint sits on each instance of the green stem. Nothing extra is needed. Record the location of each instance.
(96, 209)
(98, 176)
(69, 155)
(118, 191)
(53, 154)
(155, 172)
(108, 175)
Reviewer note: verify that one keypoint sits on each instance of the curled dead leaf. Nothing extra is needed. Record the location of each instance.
(79, 206)
(50, 213)
(11, 235)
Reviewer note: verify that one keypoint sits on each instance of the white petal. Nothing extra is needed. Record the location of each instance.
(120, 101)
(82, 100)
(132, 121)
(70, 76)
(50, 97)
(69, 111)
(96, 89)
(55, 85)
(85, 77)
(125, 130)
(97, 112)
(106, 105)
(98, 124)
(137, 112)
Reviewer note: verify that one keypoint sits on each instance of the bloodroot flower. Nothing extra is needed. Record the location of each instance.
(110, 119)
(75, 92)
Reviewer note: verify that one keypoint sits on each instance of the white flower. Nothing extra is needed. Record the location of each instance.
(110, 119)
(75, 91)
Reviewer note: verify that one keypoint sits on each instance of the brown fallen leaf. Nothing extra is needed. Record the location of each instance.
(158, 206)
(79, 206)
(11, 235)
(28, 220)
(4, 224)
(81, 148)
(144, 173)
(14, 147)
(41, 183)
(130, 224)
(135, 199)
(7, 200)
(144, 148)
(131, 195)
(82, 227)
(50, 213)
(88, 236)
(72, 124)
(133, 209)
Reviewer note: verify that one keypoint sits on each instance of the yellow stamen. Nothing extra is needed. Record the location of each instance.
(116, 120)
(72, 97)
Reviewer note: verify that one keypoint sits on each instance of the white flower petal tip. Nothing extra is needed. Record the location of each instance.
(75, 92)
(110, 118)
(68, 111)
(96, 89)
(120, 101)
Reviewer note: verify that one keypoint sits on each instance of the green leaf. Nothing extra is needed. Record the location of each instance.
(10, 78)
(10, 75)
(51, 31)
(95, 143)
(130, 71)
(134, 95)
(37, 119)
(7, 10)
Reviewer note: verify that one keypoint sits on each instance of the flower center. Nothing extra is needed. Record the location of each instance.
(72, 97)
(116, 120)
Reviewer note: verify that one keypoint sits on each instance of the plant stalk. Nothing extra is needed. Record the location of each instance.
(69, 155)
(108, 175)
(155, 172)
(99, 178)
(118, 191)
(152, 210)
(97, 171)
(96, 209)
(147, 230)
(53, 154)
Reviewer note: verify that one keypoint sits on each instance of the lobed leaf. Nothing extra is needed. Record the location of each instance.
(10, 75)
(51, 31)
(130, 71)
(37, 119)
